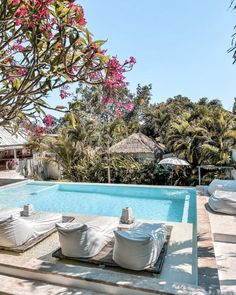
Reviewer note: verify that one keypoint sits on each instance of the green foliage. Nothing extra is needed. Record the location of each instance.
(201, 133)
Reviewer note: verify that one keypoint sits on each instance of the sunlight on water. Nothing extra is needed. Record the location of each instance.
(166, 204)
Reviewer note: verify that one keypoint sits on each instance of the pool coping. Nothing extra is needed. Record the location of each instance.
(200, 289)
(117, 184)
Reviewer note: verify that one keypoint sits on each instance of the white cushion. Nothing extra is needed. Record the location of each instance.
(140, 247)
(14, 232)
(42, 223)
(226, 185)
(8, 212)
(81, 240)
(223, 202)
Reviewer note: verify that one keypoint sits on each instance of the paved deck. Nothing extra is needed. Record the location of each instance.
(17, 286)
(10, 174)
(223, 228)
(179, 268)
(207, 267)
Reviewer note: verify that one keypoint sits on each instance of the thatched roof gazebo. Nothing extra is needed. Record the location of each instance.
(138, 145)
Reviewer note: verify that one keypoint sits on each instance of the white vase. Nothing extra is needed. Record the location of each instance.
(233, 155)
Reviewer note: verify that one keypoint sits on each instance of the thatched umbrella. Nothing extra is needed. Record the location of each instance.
(139, 145)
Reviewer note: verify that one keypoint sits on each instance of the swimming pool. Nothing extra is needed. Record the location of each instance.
(148, 202)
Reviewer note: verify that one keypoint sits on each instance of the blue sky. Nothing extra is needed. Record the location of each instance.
(180, 46)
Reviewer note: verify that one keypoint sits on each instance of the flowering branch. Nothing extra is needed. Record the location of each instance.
(45, 45)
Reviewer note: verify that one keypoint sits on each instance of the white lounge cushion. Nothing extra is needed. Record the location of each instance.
(14, 232)
(8, 212)
(223, 202)
(42, 223)
(81, 240)
(139, 248)
(226, 185)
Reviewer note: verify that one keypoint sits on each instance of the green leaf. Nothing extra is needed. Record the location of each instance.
(17, 83)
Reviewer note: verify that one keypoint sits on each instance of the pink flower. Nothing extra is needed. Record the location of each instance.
(132, 60)
(64, 93)
(82, 21)
(119, 104)
(17, 47)
(21, 71)
(48, 120)
(18, 22)
(129, 106)
(118, 114)
(103, 51)
(105, 100)
(15, 2)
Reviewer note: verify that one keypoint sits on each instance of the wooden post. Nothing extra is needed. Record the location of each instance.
(108, 162)
(199, 175)
(15, 156)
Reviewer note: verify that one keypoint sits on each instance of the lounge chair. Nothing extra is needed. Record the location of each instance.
(85, 240)
(226, 185)
(223, 202)
(21, 233)
(140, 247)
(105, 256)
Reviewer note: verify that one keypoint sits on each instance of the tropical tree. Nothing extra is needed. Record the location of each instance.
(45, 45)
(233, 42)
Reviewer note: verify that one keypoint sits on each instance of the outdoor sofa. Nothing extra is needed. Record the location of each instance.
(222, 196)
(143, 247)
(19, 233)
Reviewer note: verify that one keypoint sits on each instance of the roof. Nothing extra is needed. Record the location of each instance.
(137, 143)
(10, 141)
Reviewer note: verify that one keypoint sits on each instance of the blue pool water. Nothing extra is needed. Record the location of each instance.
(151, 203)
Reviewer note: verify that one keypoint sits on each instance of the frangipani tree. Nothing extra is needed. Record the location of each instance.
(45, 45)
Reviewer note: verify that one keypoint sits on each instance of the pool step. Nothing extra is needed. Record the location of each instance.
(16, 286)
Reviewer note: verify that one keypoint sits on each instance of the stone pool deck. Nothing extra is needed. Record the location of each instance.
(178, 276)
(216, 247)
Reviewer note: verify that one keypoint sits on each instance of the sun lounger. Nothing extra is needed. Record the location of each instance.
(18, 233)
(85, 240)
(223, 202)
(7, 212)
(105, 256)
(140, 247)
(226, 185)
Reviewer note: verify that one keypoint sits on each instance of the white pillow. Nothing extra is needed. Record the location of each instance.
(219, 184)
(14, 232)
(137, 249)
(223, 202)
(81, 240)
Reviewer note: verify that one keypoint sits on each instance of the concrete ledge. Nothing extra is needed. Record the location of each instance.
(223, 226)
(17, 286)
(97, 280)
(226, 261)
